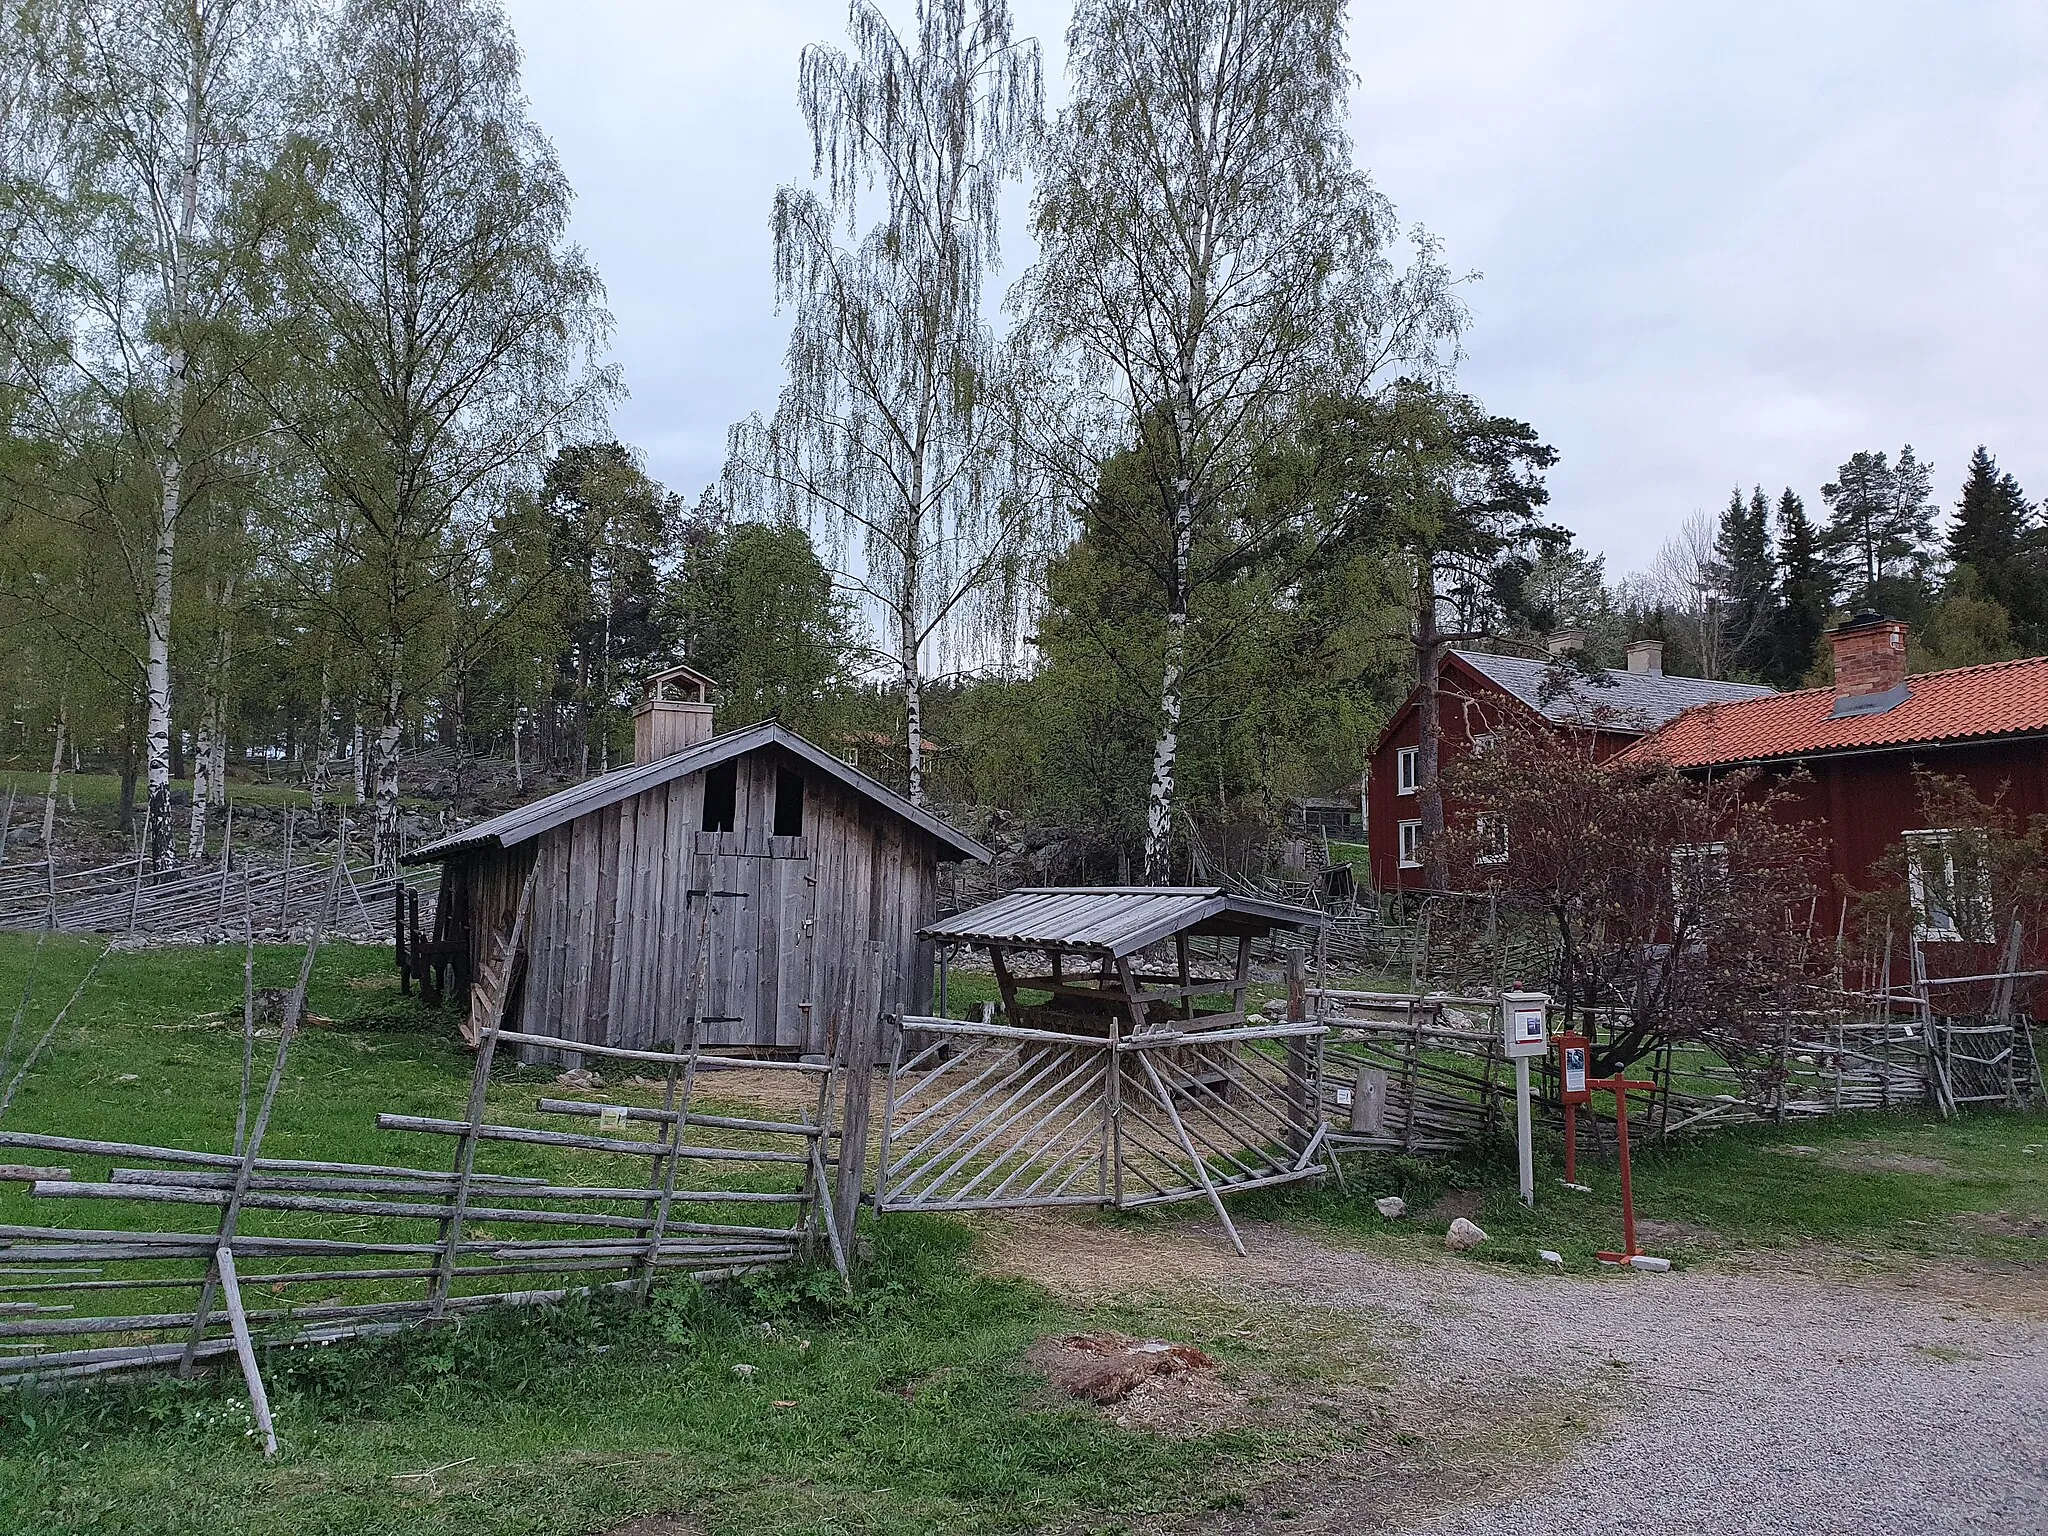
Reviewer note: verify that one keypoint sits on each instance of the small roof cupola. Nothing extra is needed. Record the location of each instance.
(674, 715)
(1870, 664)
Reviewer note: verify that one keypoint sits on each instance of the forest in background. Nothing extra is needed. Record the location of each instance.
(306, 470)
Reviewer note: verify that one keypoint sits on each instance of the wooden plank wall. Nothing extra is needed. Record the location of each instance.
(614, 924)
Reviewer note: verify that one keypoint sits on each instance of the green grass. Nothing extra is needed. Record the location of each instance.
(1903, 1185)
(907, 1409)
(901, 1409)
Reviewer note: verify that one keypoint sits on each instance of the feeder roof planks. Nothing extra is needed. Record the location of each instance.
(1117, 921)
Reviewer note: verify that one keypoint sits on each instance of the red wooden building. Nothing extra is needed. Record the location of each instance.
(1860, 741)
(1476, 691)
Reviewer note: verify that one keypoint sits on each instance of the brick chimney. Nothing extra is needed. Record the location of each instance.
(1646, 656)
(1870, 664)
(674, 716)
(1565, 642)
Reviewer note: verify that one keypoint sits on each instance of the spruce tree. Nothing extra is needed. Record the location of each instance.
(1805, 594)
(1744, 575)
(1995, 536)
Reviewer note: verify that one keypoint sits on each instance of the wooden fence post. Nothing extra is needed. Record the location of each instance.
(858, 1037)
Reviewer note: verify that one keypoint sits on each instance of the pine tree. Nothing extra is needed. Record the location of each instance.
(1880, 534)
(1744, 578)
(1995, 536)
(1805, 594)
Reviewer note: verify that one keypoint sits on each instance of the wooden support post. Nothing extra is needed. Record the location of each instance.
(1304, 1096)
(1187, 979)
(245, 1349)
(284, 895)
(479, 1091)
(248, 1014)
(398, 939)
(295, 1007)
(1006, 985)
(669, 1159)
(857, 1052)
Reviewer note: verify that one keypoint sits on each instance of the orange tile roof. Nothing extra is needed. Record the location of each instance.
(2001, 698)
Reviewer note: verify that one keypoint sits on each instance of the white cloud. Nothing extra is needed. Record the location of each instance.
(1720, 244)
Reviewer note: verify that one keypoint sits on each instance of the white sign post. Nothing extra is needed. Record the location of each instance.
(1522, 1016)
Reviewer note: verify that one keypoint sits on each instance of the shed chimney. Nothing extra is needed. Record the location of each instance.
(1563, 642)
(1647, 657)
(674, 716)
(1870, 664)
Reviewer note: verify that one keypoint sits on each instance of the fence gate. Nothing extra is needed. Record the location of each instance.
(989, 1117)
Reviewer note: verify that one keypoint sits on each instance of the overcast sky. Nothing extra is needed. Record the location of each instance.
(1719, 244)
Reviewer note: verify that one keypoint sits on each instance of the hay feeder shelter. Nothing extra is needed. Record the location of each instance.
(1137, 1075)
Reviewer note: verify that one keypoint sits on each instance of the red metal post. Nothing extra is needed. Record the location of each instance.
(1628, 1202)
(1571, 1141)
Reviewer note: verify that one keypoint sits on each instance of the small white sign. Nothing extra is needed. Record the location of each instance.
(611, 1117)
(1575, 1069)
(1522, 1019)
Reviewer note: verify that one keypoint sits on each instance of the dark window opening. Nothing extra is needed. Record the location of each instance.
(789, 803)
(721, 796)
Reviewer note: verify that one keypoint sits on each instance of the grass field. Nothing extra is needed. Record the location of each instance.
(903, 1408)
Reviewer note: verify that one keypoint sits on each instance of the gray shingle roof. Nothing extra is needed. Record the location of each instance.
(1114, 920)
(529, 821)
(1637, 701)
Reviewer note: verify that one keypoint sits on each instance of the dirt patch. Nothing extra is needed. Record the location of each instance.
(1668, 1232)
(1453, 1203)
(1148, 1383)
(1873, 1160)
(2002, 1224)
(654, 1525)
(1092, 1258)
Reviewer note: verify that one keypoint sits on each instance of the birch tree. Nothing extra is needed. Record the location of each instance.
(143, 114)
(887, 433)
(440, 333)
(1209, 259)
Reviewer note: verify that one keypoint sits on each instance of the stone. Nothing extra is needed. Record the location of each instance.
(1463, 1236)
(1550, 1256)
(1393, 1207)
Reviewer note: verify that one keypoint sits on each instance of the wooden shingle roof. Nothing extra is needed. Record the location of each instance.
(529, 821)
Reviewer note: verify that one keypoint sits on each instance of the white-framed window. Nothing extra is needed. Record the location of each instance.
(1411, 844)
(1482, 744)
(1696, 869)
(1407, 770)
(1492, 837)
(1948, 882)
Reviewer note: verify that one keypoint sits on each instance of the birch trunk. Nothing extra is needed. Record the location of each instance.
(1428, 660)
(157, 675)
(355, 758)
(56, 771)
(1172, 674)
(202, 779)
(384, 843)
(913, 705)
(157, 622)
(321, 744)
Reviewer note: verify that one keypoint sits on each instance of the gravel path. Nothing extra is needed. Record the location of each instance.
(1745, 1405)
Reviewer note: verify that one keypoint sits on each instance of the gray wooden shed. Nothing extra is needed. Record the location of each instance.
(788, 861)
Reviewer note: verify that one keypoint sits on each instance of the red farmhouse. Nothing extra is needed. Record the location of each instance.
(1861, 739)
(1476, 692)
